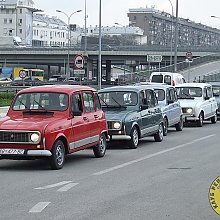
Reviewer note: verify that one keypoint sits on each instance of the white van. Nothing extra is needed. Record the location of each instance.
(167, 77)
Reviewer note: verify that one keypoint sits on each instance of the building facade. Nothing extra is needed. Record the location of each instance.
(159, 28)
(16, 19)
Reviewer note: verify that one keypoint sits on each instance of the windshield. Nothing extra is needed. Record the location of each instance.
(160, 94)
(41, 101)
(118, 99)
(188, 92)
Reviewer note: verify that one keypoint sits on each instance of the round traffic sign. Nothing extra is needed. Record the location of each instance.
(189, 55)
(22, 74)
(79, 62)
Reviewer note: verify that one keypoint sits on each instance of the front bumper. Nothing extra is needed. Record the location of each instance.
(28, 153)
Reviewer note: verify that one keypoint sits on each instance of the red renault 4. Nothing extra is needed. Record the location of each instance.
(53, 121)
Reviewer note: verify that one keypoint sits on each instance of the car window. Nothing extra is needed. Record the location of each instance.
(157, 78)
(209, 92)
(167, 79)
(76, 104)
(160, 93)
(53, 101)
(97, 101)
(150, 98)
(88, 102)
(172, 95)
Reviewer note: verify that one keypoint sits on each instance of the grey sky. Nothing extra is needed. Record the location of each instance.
(116, 10)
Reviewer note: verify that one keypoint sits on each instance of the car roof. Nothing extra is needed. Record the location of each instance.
(202, 85)
(135, 88)
(157, 85)
(57, 88)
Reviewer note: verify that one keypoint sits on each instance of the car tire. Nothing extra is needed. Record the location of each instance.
(179, 125)
(165, 127)
(57, 158)
(133, 143)
(158, 137)
(200, 121)
(214, 119)
(100, 149)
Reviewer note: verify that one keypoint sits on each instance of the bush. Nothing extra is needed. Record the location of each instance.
(6, 98)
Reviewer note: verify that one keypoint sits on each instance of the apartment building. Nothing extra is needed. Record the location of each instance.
(159, 28)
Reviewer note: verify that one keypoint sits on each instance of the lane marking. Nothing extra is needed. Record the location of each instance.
(67, 187)
(39, 207)
(150, 156)
(54, 185)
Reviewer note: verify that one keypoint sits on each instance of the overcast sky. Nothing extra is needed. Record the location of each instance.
(116, 10)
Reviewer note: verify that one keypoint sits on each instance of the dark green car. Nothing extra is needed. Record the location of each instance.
(132, 112)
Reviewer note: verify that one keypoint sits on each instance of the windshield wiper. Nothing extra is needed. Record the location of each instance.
(22, 104)
(40, 105)
(104, 102)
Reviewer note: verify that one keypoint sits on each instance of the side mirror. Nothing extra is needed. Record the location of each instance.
(206, 98)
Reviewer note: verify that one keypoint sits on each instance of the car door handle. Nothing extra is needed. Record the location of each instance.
(85, 119)
(96, 116)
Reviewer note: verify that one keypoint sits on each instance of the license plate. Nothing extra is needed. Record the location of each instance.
(12, 151)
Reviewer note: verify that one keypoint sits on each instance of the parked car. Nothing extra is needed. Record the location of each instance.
(51, 122)
(216, 94)
(170, 106)
(169, 78)
(4, 81)
(28, 81)
(132, 112)
(197, 102)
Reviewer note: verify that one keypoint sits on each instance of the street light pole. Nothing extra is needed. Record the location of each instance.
(176, 38)
(68, 40)
(171, 42)
(85, 46)
(100, 46)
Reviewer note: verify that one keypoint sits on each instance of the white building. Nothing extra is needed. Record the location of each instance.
(16, 19)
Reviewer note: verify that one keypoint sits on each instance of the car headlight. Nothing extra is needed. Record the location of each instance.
(117, 125)
(189, 111)
(35, 137)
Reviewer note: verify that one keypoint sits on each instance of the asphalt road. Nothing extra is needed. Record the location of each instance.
(167, 180)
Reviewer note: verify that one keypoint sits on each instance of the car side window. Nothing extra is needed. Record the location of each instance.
(172, 95)
(97, 102)
(167, 79)
(209, 92)
(150, 98)
(88, 102)
(76, 104)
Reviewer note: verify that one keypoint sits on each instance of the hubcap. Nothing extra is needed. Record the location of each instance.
(59, 155)
(135, 137)
(102, 145)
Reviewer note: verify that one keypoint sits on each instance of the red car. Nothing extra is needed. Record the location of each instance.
(52, 121)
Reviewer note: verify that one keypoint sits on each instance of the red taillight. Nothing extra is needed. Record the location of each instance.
(173, 83)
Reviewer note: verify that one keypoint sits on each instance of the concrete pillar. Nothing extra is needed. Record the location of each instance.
(49, 73)
(59, 69)
(108, 70)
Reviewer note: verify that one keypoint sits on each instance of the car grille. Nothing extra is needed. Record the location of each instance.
(110, 125)
(15, 137)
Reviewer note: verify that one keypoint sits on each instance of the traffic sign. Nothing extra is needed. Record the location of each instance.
(189, 56)
(22, 74)
(154, 58)
(79, 62)
(79, 72)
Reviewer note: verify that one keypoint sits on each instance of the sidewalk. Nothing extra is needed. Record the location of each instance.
(3, 111)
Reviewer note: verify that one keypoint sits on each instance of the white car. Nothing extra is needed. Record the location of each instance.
(197, 102)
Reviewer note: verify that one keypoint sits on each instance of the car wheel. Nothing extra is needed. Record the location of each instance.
(200, 121)
(214, 119)
(165, 127)
(58, 155)
(158, 137)
(133, 143)
(100, 149)
(179, 125)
